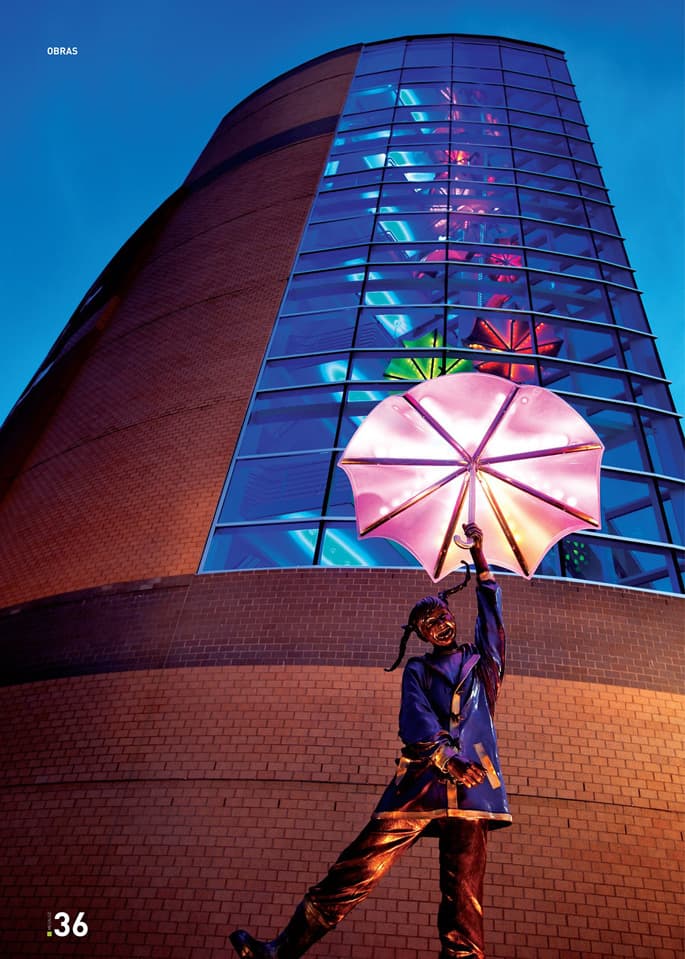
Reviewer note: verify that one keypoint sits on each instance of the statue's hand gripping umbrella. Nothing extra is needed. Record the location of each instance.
(468, 445)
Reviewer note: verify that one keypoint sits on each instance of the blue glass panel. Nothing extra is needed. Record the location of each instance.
(673, 500)
(610, 248)
(417, 284)
(371, 118)
(328, 259)
(665, 442)
(337, 233)
(540, 141)
(483, 286)
(346, 203)
(440, 113)
(542, 163)
(630, 508)
(526, 61)
(529, 81)
(601, 217)
(340, 180)
(536, 122)
(596, 560)
(428, 53)
(382, 57)
(581, 150)
(587, 172)
(580, 132)
(640, 354)
(416, 135)
(340, 500)
(467, 228)
(319, 331)
(292, 420)
(534, 101)
(552, 206)
(570, 110)
(570, 296)
(588, 381)
(383, 327)
(560, 263)
(558, 69)
(359, 402)
(487, 75)
(475, 55)
(304, 370)
(374, 92)
(618, 429)
(360, 141)
(411, 75)
(261, 547)
(321, 291)
(531, 178)
(651, 393)
(278, 487)
(558, 238)
(411, 228)
(342, 547)
(627, 309)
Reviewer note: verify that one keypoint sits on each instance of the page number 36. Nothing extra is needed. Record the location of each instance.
(78, 928)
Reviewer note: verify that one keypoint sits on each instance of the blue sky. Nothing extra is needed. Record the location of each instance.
(93, 143)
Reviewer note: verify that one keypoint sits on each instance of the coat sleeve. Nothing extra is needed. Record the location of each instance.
(490, 638)
(420, 728)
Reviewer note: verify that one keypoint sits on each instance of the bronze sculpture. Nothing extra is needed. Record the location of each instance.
(448, 782)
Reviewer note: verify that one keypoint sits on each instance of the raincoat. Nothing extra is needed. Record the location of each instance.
(447, 708)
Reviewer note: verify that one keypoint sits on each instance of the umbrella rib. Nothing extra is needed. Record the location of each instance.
(532, 454)
(439, 429)
(499, 516)
(411, 502)
(542, 496)
(449, 534)
(496, 420)
(392, 461)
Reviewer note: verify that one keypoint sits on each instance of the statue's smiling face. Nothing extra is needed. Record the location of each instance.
(437, 627)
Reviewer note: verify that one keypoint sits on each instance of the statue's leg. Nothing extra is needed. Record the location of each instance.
(462, 867)
(359, 867)
(304, 929)
(348, 882)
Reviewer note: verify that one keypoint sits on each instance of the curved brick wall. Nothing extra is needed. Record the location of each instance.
(123, 482)
(170, 805)
(235, 731)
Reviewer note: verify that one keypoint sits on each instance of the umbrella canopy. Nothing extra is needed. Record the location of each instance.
(517, 459)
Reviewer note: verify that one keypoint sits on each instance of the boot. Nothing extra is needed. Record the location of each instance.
(304, 929)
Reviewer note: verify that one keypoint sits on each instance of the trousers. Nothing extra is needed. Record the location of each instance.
(462, 847)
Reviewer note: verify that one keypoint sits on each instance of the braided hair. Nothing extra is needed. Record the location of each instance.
(420, 609)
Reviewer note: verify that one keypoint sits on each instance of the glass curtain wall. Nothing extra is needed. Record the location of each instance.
(461, 224)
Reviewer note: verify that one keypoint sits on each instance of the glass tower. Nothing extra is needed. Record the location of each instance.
(461, 223)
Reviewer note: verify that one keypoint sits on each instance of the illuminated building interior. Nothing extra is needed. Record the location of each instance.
(461, 223)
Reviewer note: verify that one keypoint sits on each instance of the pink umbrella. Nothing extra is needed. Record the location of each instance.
(516, 459)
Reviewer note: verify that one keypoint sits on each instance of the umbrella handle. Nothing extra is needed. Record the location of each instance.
(460, 541)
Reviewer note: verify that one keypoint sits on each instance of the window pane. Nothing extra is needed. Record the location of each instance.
(341, 547)
(276, 488)
(306, 334)
(292, 420)
(261, 547)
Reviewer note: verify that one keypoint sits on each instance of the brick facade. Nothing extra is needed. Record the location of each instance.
(171, 805)
(123, 482)
(559, 629)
